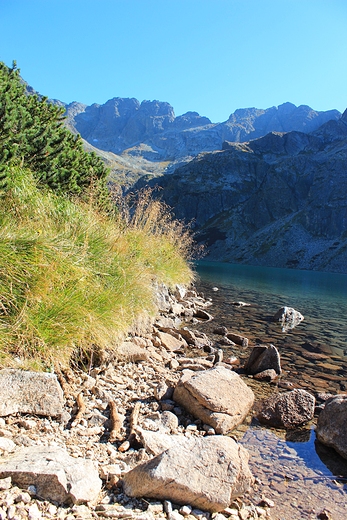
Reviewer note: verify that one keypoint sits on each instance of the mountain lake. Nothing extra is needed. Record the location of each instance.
(301, 476)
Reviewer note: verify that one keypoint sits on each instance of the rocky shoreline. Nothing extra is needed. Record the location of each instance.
(96, 425)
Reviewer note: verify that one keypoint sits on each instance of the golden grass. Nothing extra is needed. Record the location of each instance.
(74, 279)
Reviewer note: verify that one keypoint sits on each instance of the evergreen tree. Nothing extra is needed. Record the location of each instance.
(32, 134)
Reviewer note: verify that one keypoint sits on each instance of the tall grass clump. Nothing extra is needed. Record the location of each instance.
(73, 278)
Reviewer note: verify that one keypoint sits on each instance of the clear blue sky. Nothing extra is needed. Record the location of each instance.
(209, 56)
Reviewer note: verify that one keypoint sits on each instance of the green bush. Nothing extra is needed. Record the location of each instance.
(32, 135)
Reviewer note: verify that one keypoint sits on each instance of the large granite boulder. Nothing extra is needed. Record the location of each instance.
(30, 392)
(217, 396)
(288, 409)
(332, 424)
(55, 475)
(205, 472)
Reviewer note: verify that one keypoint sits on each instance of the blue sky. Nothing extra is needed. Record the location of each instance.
(209, 56)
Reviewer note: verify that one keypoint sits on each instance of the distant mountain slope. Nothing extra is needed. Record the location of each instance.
(151, 130)
(280, 200)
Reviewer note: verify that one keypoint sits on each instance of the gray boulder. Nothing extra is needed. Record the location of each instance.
(30, 392)
(287, 410)
(263, 357)
(55, 475)
(332, 424)
(205, 472)
(170, 342)
(288, 318)
(217, 396)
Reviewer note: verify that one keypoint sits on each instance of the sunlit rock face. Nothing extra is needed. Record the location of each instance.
(122, 124)
(279, 200)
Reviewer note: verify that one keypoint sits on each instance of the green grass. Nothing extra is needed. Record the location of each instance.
(73, 279)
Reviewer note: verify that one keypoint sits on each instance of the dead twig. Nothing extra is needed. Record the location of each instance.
(116, 423)
(134, 419)
(81, 409)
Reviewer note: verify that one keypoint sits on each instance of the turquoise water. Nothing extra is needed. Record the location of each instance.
(298, 473)
(320, 297)
(298, 285)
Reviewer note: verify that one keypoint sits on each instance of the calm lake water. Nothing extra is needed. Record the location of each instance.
(297, 472)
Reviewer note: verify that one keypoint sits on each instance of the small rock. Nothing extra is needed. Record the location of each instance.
(200, 515)
(325, 515)
(221, 331)
(6, 444)
(170, 342)
(174, 364)
(238, 339)
(34, 513)
(162, 391)
(11, 511)
(125, 446)
(129, 351)
(155, 507)
(266, 375)
(185, 510)
(219, 516)
(232, 360)
(23, 497)
(202, 315)
(5, 483)
(266, 502)
(169, 421)
(175, 515)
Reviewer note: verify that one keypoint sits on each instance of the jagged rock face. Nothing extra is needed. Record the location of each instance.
(251, 123)
(123, 125)
(279, 200)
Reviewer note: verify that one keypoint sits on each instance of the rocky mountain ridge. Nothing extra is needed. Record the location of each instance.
(279, 200)
(148, 133)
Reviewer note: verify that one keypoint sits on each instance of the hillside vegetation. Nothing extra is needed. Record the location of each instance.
(74, 273)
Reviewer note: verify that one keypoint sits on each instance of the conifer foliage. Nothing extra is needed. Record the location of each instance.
(32, 135)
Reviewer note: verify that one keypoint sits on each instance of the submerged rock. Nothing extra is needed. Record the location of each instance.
(207, 473)
(288, 317)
